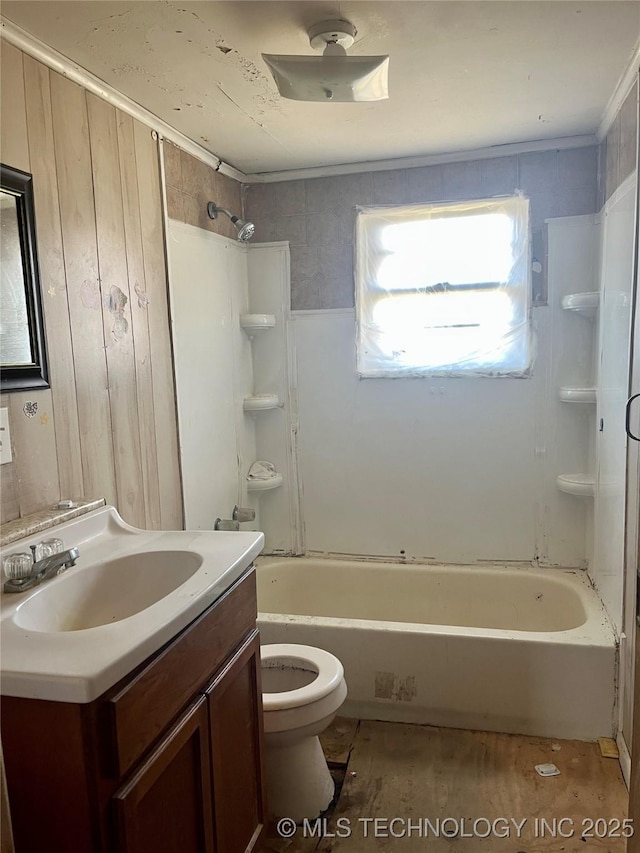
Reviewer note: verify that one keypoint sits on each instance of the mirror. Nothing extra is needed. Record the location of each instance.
(23, 358)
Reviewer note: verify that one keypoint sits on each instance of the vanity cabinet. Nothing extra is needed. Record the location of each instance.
(165, 806)
(167, 760)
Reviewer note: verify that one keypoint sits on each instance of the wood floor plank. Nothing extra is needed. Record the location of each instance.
(405, 771)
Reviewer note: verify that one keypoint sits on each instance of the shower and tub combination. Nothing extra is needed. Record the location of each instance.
(518, 650)
(504, 647)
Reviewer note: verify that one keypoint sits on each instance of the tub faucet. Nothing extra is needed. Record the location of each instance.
(42, 570)
(239, 515)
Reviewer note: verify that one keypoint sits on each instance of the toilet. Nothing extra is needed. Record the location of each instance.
(302, 690)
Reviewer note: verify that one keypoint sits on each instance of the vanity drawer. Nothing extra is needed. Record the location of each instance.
(142, 708)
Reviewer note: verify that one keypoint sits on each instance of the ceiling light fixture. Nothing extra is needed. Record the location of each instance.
(334, 76)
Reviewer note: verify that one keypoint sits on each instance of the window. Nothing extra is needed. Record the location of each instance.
(443, 289)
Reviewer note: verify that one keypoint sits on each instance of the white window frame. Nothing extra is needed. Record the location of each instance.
(513, 350)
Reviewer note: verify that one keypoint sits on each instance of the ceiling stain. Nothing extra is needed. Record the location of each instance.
(250, 70)
(126, 68)
(168, 54)
(254, 120)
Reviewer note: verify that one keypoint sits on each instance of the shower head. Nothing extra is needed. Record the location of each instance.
(245, 229)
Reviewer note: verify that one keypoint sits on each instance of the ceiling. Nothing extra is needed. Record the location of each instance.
(463, 75)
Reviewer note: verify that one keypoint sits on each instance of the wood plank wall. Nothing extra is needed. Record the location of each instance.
(107, 427)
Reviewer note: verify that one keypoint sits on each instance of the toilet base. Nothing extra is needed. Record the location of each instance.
(299, 784)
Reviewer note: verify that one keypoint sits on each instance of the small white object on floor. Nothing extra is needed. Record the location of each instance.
(555, 747)
(547, 770)
(261, 471)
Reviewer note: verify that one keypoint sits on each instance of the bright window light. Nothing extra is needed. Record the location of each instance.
(443, 289)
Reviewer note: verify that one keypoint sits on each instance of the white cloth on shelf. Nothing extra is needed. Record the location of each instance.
(262, 471)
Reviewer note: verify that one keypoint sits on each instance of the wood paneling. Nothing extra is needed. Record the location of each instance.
(36, 485)
(9, 491)
(14, 148)
(107, 428)
(9, 479)
(139, 320)
(75, 186)
(116, 307)
(53, 277)
(151, 224)
(33, 437)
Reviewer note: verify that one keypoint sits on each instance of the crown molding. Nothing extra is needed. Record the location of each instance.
(492, 151)
(622, 89)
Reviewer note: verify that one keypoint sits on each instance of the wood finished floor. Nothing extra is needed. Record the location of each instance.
(393, 770)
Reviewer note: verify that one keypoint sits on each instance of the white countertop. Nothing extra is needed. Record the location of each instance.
(80, 665)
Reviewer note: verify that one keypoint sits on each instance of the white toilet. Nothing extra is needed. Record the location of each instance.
(302, 690)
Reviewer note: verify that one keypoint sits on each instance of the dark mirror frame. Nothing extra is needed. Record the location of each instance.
(26, 377)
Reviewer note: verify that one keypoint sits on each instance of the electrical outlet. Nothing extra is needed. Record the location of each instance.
(5, 437)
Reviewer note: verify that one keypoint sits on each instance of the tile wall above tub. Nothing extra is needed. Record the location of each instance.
(191, 183)
(317, 215)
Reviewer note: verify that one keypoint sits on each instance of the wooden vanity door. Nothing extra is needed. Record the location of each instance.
(235, 719)
(166, 806)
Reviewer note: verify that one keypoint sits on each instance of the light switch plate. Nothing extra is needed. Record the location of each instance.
(5, 437)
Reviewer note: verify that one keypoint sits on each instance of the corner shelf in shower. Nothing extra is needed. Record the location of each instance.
(586, 304)
(253, 323)
(260, 403)
(581, 485)
(265, 485)
(572, 394)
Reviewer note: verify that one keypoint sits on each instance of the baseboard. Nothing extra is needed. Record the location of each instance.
(625, 759)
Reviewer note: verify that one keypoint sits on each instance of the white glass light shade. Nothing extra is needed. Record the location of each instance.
(330, 78)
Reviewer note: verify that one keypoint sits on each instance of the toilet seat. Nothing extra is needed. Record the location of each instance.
(329, 670)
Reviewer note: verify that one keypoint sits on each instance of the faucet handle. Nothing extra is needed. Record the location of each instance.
(226, 524)
(243, 513)
(17, 566)
(47, 548)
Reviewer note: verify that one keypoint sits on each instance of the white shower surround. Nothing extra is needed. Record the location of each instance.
(491, 648)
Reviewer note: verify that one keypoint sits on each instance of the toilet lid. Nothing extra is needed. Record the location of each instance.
(329, 668)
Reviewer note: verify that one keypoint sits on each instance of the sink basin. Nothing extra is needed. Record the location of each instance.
(132, 591)
(106, 592)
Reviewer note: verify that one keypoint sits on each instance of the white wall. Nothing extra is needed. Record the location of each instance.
(452, 470)
(209, 290)
(268, 270)
(607, 567)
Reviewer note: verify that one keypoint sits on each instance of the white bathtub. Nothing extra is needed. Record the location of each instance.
(517, 650)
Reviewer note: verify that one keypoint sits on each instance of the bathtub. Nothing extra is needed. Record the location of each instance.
(518, 650)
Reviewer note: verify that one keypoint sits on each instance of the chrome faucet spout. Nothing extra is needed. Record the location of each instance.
(43, 569)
